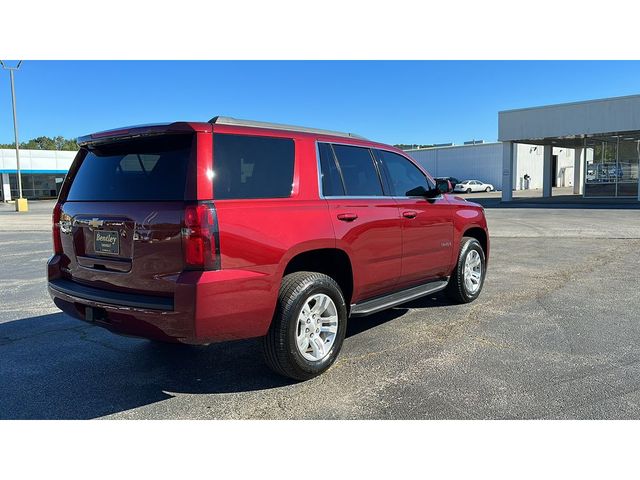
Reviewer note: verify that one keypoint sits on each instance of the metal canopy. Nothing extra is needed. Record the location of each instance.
(578, 141)
(569, 123)
(605, 134)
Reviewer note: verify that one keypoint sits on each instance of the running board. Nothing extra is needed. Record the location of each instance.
(391, 300)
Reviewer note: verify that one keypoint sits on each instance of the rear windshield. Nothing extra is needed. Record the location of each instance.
(145, 169)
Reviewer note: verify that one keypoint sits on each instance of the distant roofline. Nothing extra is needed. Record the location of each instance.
(485, 144)
(581, 102)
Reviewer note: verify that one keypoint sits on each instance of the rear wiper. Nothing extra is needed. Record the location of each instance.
(141, 164)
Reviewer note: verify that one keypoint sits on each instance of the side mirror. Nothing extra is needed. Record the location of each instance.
(444, 186)
(423, 192)
(417, 192)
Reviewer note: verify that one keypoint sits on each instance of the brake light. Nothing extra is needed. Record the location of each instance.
(57, 240)
(199, 237)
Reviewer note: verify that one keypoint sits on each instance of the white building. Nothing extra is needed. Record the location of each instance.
(42, 172)
(604, 134)
(483, 161)
(593, 146)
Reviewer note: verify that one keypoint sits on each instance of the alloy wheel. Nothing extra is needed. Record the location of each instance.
(472, 272)
(317, 327)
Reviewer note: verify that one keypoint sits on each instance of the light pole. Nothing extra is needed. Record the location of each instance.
(21, 203)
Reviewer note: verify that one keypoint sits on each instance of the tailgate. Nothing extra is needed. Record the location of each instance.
(123, 211)
(131, 247)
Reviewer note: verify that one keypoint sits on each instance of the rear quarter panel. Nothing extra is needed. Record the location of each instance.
(260, 236)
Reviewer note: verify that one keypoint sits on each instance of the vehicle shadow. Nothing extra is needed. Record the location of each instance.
(360, 325)
(57, 367)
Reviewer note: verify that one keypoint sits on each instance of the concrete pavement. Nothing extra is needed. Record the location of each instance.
(554, 334)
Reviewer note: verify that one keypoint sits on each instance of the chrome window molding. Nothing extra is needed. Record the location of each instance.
(344, 197)
(361, 197)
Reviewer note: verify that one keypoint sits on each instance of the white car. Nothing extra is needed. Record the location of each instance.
(469, 186)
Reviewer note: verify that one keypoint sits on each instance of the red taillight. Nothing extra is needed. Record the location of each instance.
(57, 241)
(199, 237)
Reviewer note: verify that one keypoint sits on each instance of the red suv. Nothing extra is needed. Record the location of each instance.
(203, 232)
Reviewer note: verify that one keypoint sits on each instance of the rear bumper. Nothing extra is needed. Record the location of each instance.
(206, 307)
(107, 297)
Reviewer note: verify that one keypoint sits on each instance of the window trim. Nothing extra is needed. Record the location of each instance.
(320, 172)
(335, 158)
(281, 135)
(384, 167)
(338, 168)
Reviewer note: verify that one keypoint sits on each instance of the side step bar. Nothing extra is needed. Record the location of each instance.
(375, 305)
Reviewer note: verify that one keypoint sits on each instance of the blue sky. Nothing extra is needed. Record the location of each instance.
(389, 101)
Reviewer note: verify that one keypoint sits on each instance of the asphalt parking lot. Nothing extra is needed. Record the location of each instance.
(555, 334)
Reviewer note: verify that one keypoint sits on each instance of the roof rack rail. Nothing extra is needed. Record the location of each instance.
(279, 126)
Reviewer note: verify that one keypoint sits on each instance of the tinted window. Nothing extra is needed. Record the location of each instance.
(331, 180)
(358, 171)
(404, 176)
(252, 167)
(143, 169)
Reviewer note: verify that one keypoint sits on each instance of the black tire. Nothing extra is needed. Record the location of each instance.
(279, 345)
(468, 190)
(456, 290)
(488, 189)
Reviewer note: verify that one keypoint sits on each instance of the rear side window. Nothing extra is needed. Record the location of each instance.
(252, 167)
(331, 180)
(145, 169)
(403, 175)
(358, 171)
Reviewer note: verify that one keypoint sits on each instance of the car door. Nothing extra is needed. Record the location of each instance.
(427, 223)
(366, 222)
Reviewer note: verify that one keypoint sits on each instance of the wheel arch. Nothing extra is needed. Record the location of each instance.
(333, 262)
(481, 235)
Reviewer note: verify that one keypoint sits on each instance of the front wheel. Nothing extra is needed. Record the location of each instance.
(468, 277)
(468, 190)
(308, 327)
(488, 189)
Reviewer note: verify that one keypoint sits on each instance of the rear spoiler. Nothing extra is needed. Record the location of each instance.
(136, 131)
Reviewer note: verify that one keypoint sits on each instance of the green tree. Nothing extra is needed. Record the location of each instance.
(46, 143)
(39, 143)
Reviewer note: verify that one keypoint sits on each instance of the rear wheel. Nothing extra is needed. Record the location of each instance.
(468, 190)
(468, 277)
(308, 328)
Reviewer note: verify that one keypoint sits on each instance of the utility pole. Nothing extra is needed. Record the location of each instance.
(21, 203)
